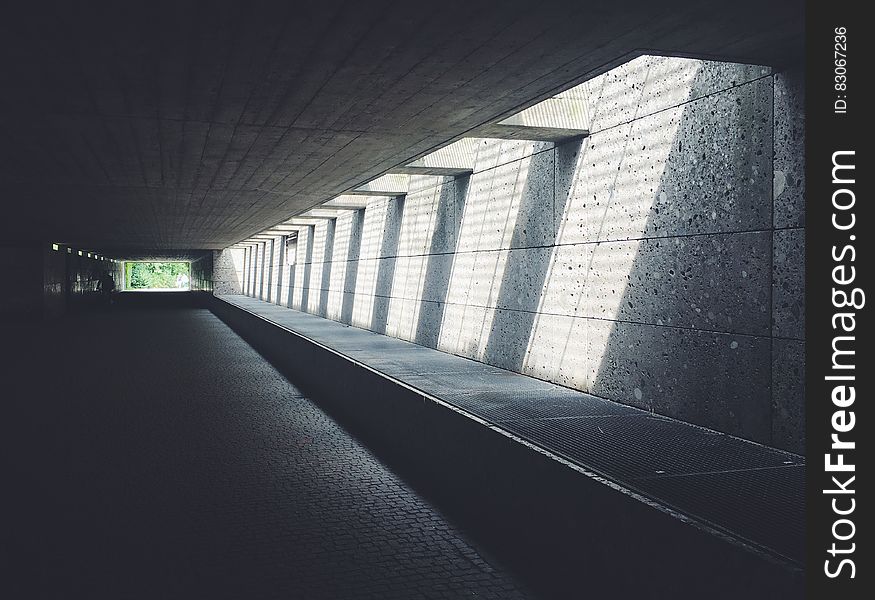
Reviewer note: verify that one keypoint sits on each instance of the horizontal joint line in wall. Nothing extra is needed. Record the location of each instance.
(685, 102)
(615, 241)
(553, 314)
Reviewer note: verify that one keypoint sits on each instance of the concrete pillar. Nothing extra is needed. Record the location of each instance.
(253, 271)
(245, 288)
(386, 264)
(292, 270)
(326, 266)
(269, 247)
(259, 267)
(281, 257)
(354, 247)
(306, 267)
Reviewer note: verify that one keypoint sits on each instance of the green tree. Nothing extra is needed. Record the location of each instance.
(151, 275)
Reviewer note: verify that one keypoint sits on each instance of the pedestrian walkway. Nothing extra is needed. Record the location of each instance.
(155, 454)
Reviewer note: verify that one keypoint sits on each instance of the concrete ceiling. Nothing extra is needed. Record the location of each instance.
(194, 125)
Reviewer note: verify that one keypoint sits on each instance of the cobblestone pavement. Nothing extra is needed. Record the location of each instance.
(154, 454)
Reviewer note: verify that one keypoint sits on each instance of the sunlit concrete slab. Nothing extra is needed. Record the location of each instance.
(433, 171)
(568, 110)
(285, 232)
(514, 131)
(348, 202)
(454, 160)
(557, 119)
(387, 185)
(307, 220)
(277, 235)
(280, 228)
(324, 213)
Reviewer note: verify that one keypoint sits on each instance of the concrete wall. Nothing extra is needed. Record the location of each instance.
(54, 282)
(201, 274)
(40, 281)
(788, 279)
(83, 273)
(43, 282)
(657, 263)
(228, 271)
(20, 286)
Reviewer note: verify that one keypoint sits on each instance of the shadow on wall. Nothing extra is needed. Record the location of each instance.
(635, 264)
(691, 337)
(672, 314)
(386, 265)
(512, 184)
(201, 273)
(354, 241)
(326, 266)
(83, 277)
(308, 235)
(229, 270)
(528, 260)
(436, 278)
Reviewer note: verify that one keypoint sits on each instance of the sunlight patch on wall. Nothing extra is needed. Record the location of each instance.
(316, 266)
(305, 235)
(478, 268)
(259, 272)
(339, 264)
(616, 182)
(417, 229)
(373, 231)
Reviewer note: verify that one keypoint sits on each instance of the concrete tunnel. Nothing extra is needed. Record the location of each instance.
(380, 300)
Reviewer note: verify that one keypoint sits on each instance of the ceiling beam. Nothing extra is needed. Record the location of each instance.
(386, 185)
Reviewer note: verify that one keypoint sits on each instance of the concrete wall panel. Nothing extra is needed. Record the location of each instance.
(714, 282)
(54, 282)
(788, 395)
(491, 153)
(649, 84)
(717, 380)
(228, 266)
(789, 175)
(788, 284)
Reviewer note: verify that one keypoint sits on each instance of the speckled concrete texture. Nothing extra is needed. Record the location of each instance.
(788, 284)
(165, 458)
(788, 405)
(789, 175)
(228, 271)
(712, 282)
(649, 84)
(714, 175)
(680, 215)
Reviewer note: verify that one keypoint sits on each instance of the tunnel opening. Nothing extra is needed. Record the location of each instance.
(157, 276)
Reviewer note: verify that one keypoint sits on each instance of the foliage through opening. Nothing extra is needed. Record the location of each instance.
(157, 275)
